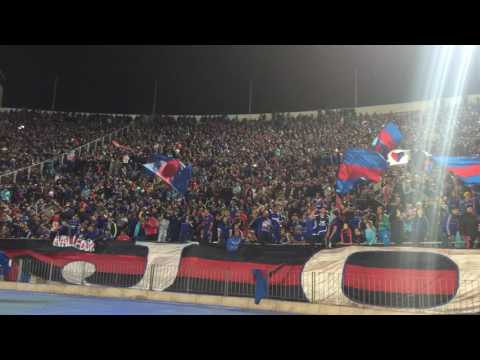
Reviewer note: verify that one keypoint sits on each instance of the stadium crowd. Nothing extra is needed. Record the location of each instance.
(264, 181)
(28, 137)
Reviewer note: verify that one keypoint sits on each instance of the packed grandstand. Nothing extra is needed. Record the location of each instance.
(269, 181)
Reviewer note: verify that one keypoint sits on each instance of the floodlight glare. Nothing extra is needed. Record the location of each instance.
(449, 66)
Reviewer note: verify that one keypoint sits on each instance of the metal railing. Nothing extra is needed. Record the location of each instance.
(414, 294)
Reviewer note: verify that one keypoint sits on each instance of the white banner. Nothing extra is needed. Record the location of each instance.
(398, 157)
(75, 242)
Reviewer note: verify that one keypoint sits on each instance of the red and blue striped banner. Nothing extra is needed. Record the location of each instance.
(465, 167)
(388, 139)
(358, 165)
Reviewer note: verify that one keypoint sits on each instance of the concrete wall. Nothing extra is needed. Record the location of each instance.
(379, 109)
(244, 303)
(409, 107)
(67, 112)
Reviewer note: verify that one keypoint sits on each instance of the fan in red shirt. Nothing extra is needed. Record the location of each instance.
(244, 219)
(123, 237)
(150, 227)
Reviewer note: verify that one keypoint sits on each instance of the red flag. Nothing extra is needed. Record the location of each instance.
(120, 146)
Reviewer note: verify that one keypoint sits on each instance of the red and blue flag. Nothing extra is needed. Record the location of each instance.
(398, 156)
(359, 165)
(467, 168)
(172, 171)
(388, 139)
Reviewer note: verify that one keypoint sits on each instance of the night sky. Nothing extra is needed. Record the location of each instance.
(213, 79)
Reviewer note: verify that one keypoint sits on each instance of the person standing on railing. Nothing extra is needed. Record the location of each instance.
(22, 231)
(132, 221)
(263, 228)
(396, 223)
(101, 221)
(320, 226)
(6, 195)
(466, 202)
(346, 235)
(174, 226)
(150, 227)
(355, 223)
(333, 234)
(111, 230)
(216, 227)
(224, 228)
(469, 227)
(296, 230)
(383, 225)
(420, 225)
(309, 226)
(387, 191)
(162, 230)
(407, 189)
(74, 225)
(206, 226)
(186, 230)
(138, 233)
(4, 230)
(451, 227)
(63, 228)
(277, 220)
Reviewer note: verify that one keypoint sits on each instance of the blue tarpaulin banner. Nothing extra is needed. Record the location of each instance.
(261, 286)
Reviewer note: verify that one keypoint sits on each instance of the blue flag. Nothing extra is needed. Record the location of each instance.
(233, 243)
(5, 264)
(261, 286)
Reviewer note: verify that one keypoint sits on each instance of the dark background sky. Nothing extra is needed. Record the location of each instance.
(214, 79)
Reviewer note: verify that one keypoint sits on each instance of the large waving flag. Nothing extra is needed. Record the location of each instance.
(172, 171)
(467, 168)
(388, 139)
(358, 165)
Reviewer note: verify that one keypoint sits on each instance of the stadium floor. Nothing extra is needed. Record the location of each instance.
(32, 303)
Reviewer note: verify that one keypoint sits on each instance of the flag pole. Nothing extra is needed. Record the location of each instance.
(474, 198)
(154, 107)
(356, 88)
(3, 80)
(54, 97)
(250, 92)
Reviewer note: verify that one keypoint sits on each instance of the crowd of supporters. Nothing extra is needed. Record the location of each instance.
(262, 181)
(28, 137)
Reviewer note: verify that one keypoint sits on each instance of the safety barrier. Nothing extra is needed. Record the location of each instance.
(413, 293)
